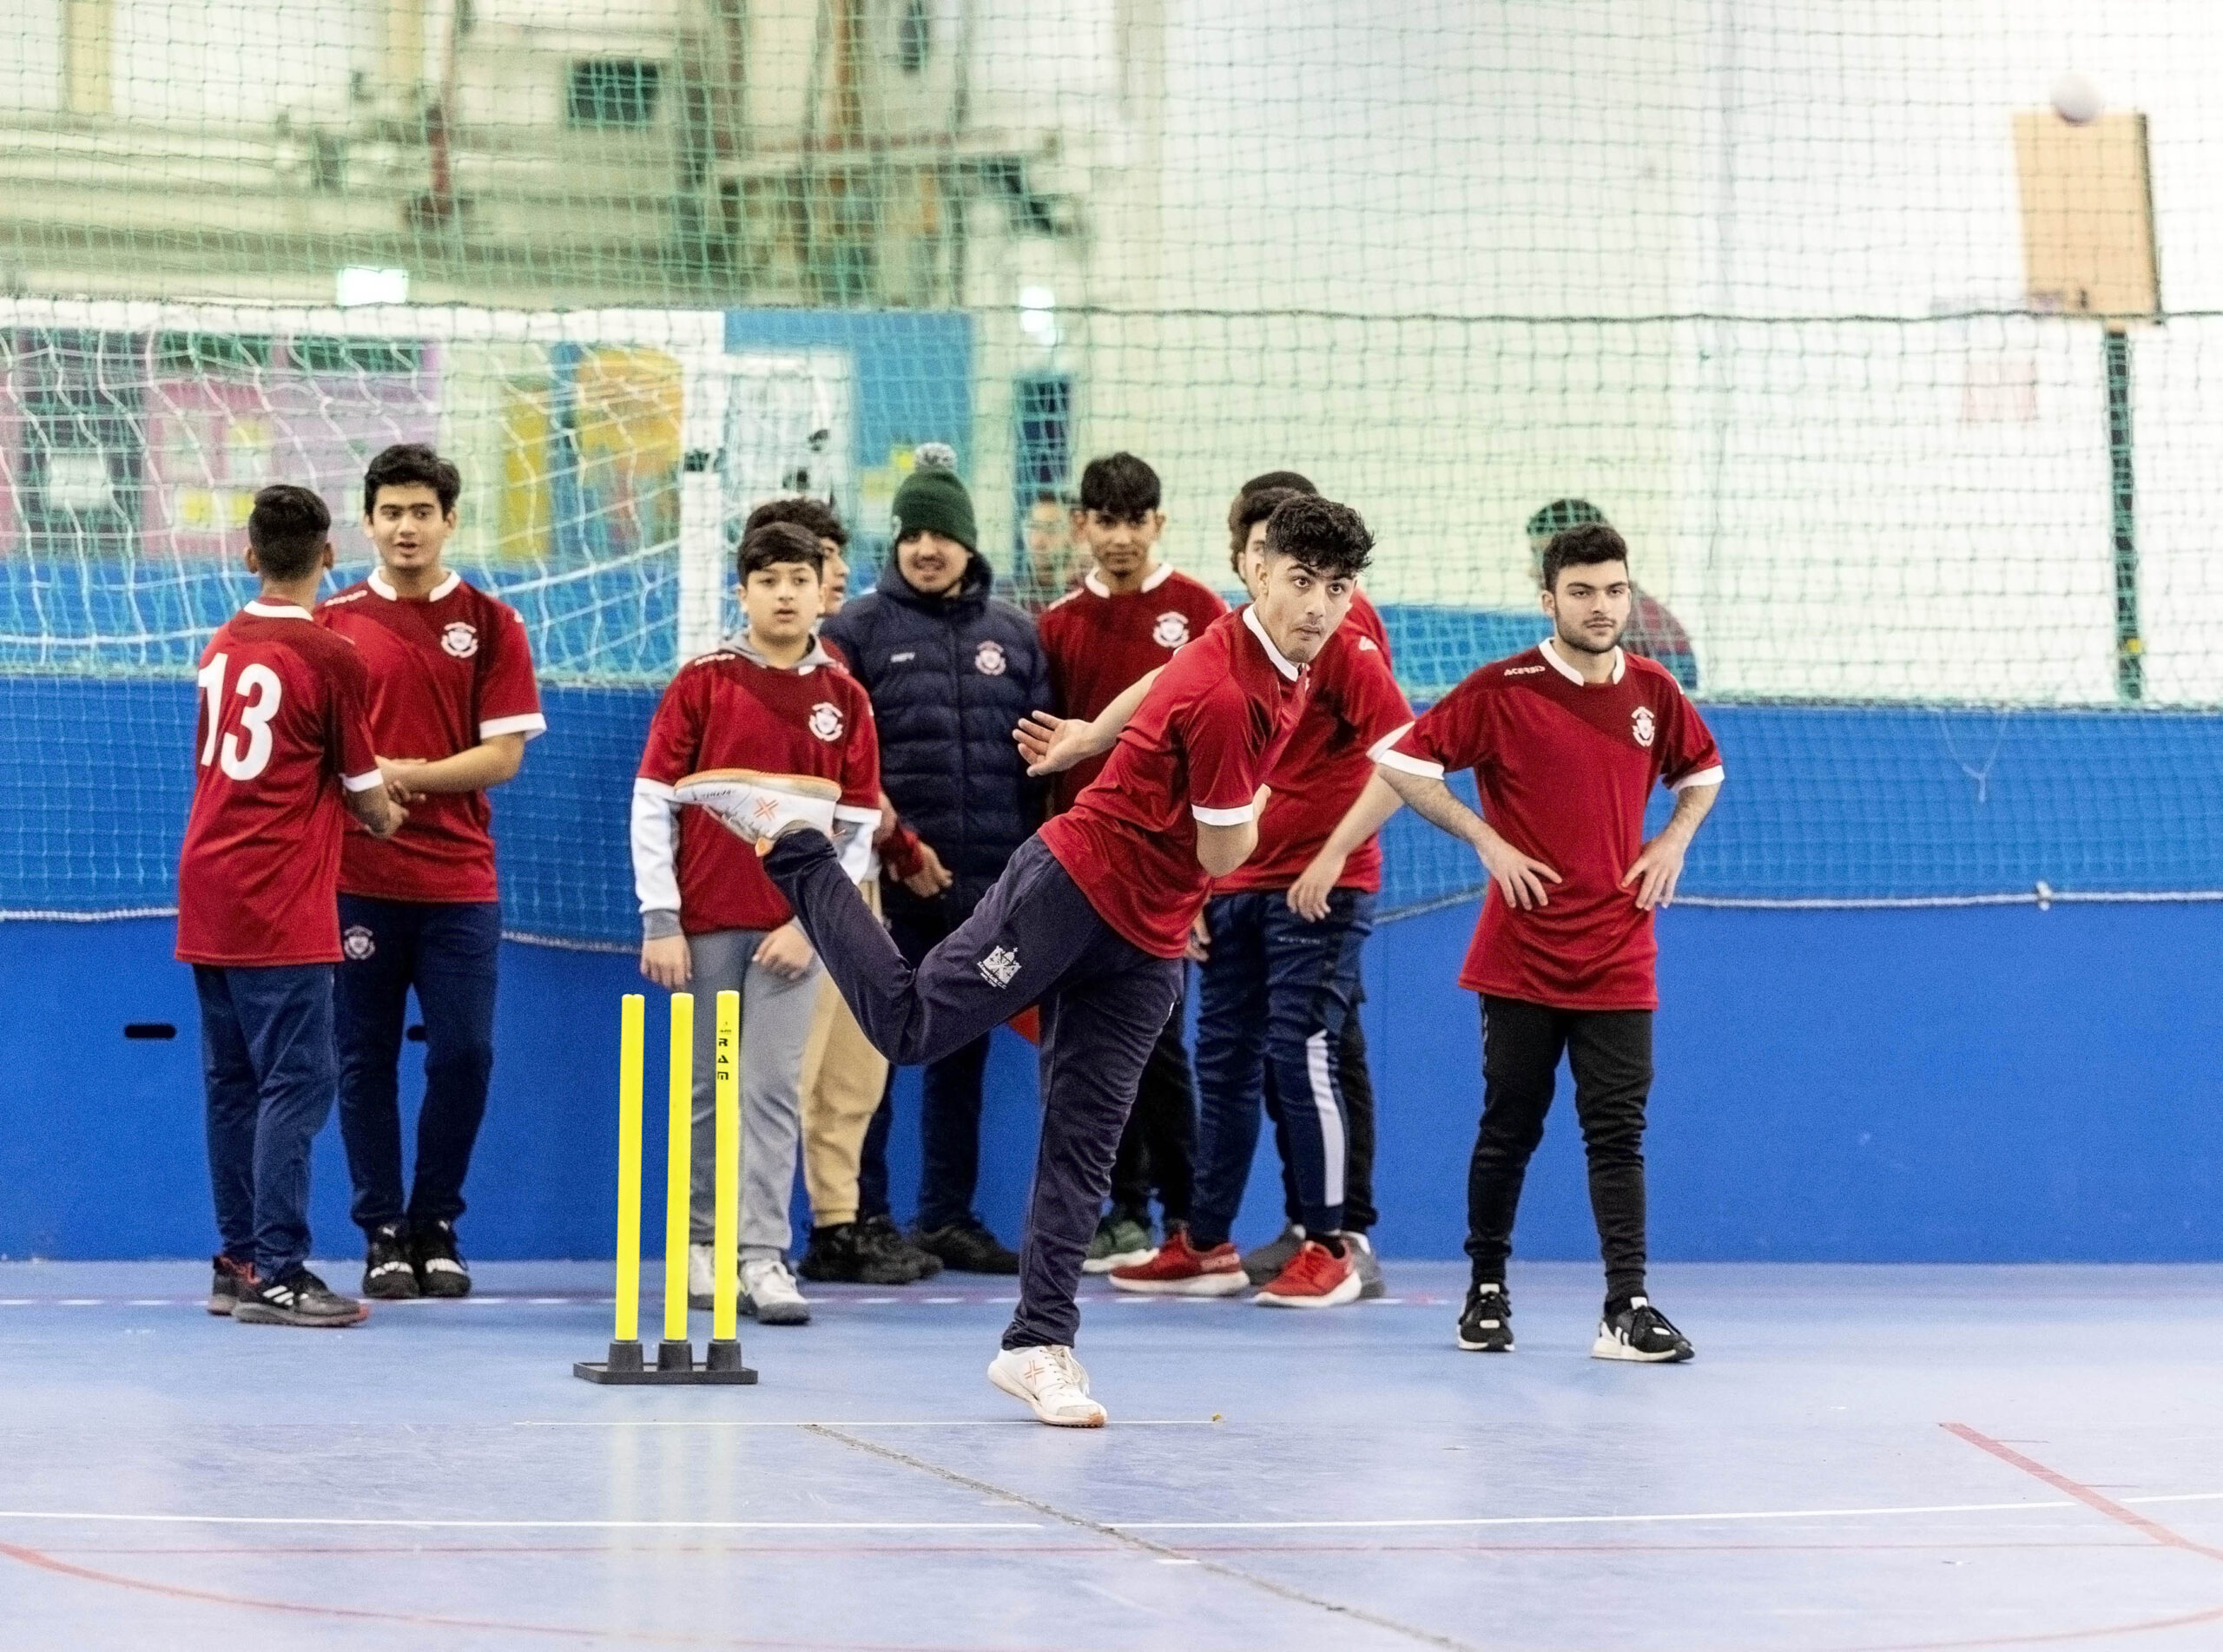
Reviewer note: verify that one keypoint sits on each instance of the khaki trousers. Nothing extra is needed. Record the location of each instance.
(842, 1078)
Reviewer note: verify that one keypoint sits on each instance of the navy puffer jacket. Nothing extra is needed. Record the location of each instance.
(950, 677)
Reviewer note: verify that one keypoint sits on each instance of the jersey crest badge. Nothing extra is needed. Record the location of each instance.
(1640, 725)
(1172, 631)
(461, 640)
(826, 720)
(988, 658)
(358, 943)
(999, 966)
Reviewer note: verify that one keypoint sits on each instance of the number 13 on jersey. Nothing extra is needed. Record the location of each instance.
(244, 752)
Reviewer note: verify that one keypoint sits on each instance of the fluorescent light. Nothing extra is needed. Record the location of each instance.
(360, 284)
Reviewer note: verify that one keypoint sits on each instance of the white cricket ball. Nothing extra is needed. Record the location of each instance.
(2076, 99)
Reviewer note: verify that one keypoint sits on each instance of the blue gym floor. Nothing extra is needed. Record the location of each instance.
(1860, 1458)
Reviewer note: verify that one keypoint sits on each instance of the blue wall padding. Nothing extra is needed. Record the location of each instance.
(1823, 802)
(1987, 1085)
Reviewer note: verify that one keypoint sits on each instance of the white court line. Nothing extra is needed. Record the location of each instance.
(64, 1516)
(58, 1517)
(717, 1422)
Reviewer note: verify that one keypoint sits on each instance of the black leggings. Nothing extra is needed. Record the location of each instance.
(1609, 1053)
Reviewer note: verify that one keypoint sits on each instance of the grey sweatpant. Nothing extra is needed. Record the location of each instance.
(774, 1026)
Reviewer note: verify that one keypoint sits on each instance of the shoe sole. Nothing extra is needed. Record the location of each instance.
(1466, 1346)
(1027, 1400)
(1606, 1348)
(222, 1306)
(797, 1313)
(1202, 1285)
(255, 1314)
(448, 1293)
(1121, 1259)
(1346, 1291)
(1372, 1289)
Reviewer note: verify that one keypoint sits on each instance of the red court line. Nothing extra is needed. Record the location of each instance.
(46, 1562)
(2084, 1494)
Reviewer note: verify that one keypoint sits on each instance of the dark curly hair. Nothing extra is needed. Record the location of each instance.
(1582, 546)
(1331, 539)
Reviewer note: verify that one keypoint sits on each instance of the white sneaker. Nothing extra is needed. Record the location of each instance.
(702, 1276)
(769, 1294)
(757, 807)
(1050, 1382)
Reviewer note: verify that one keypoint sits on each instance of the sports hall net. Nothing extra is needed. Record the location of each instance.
(1902, 385)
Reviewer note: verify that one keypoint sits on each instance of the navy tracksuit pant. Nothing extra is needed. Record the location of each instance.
(267, 1062)
(1277, 996)
(1033, 938)
(450, 954)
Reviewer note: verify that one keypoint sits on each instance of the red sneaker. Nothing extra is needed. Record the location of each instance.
(1315, 1278)
(1178, 1269)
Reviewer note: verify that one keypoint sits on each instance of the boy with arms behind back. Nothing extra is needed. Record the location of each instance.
(284, 757)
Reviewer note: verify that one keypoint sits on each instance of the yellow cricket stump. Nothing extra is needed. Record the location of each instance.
(675, 1361)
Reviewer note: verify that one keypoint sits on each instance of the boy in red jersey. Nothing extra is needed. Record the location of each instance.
(771, 699)
(1280, 982)
(1566, 741)
(854, 1238)
(285, 756)
(1094, 915)
(452, 703)
(1125, 620)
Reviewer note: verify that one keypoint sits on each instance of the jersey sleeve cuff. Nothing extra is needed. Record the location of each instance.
(1698, 777)
(362, 782)
(1243, 816)
(530, 724)
(659, 924)
(1405, 764)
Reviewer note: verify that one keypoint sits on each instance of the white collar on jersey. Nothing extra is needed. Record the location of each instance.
(1552, 659)
(1096, 587)
(377, 584)
(1283, 663)
(277, 610)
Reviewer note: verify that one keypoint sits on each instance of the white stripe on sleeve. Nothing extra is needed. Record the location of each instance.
(1243, 816)
(1699, 777)
(362, 782)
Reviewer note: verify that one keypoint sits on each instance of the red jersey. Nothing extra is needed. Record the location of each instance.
(1563, 768)
(1368, 620)
(730, 710)
(284, 726)
(1355, 704)
(1197, 750)
(1097, 644)
(447, 671)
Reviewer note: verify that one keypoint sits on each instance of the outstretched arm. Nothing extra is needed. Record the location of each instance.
(1659, 868)
(1051, 744)
(1519, 878)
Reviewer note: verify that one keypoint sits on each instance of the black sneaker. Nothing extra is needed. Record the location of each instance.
(298, 1298)
(842, 1254)
(968, 1247)
(1486, 1323)
(881, 1234)
(1264, 1264)
(1640, 1331)
(233, 1279)
(388, 1272)
(440, 1270)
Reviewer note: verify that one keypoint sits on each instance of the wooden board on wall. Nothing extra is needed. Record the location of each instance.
(2088, 215)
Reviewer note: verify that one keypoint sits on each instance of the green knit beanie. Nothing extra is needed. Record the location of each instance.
(933, 500)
